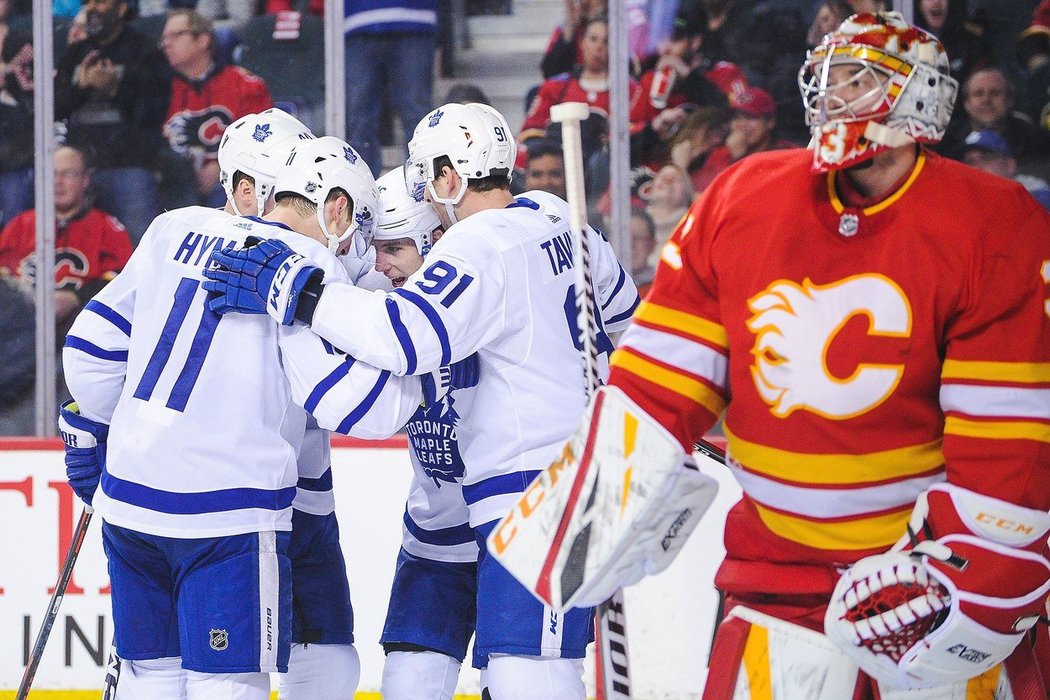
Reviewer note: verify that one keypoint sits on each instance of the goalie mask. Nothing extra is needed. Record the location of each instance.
(403, 214)
(475, 138)
(873, 84)
(315, 168)
(258, 145)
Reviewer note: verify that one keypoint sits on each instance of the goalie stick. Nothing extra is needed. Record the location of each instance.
(56, 600)
(612, 673)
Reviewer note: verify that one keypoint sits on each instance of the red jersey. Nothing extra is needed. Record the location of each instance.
(566, 88)
(200, 110)
(868, 352)
(92, 246)
(719, 159)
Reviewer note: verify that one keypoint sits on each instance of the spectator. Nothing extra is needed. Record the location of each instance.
(700, 133)
(563, 52)
(17, 358)
(963, 40)
(16, 127)
(986, 150)
(205, 98)
(828, 17)
(91, 247)
(227, 15)
(868, 6)
(112, 89)
(643, 247)
(988, 97)
(1033, 44)
(313, 7)
(388, 43)
(752, 125)
(466, 93)
(669, 197)
(545, 169)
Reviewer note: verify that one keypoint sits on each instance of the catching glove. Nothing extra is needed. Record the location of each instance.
(85, 442)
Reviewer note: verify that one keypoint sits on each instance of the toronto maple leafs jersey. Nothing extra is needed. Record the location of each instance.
(499, 283)
(203, 432)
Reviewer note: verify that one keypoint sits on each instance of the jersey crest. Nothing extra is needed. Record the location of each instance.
(795, 325)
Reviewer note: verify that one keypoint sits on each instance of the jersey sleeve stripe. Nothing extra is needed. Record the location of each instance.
(95, 351)
(321, 483)
(997, 430)
(616, 290)
(327, 383)
(110, 315)
(515, 482)
(196, 502)
(435, 321)
(662, 316)
(366, 403)
(996, 401)
(872, 532)
(442, 537)
(679, 352)
(861, 468)
(671, 379)
(624, 315)
(1019, 372)
(403, 336)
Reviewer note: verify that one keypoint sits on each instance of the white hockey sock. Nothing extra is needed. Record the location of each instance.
(534, 678)
(227, 686)
(153, 679)
(320, 672)
(419, 675)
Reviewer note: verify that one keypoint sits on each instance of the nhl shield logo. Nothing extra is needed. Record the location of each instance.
(220, 640)
(849, 224)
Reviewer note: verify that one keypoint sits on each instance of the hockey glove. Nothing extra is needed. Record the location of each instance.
(85, 442)
(949, 608)
(264, 278)
(458, 375)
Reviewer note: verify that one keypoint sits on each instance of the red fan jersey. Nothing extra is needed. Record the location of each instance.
(861, 354)
(200, 110)
(566, 88)
(92, 246)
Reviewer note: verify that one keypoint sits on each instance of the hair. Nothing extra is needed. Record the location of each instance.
(198, 24)
(239, 175)
(639, 213)
(85, 157)
(1011, 86)
(465, 93)
(476, 184)
(537, 148)
(303, 206)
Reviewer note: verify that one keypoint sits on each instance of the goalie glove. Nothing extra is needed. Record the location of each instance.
(951, 608)
(85, 442)
(618, 505)
(263, 278)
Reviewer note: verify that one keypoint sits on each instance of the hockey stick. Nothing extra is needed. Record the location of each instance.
(612, 675)
(56, 600)
(109, 686)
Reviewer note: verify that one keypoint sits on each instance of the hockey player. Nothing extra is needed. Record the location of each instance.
(499, 284)
(197, 486)
(882, 328)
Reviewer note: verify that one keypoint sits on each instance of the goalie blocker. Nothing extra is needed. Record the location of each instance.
(617, 505)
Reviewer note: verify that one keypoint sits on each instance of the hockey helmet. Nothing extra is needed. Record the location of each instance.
(258, 145)
(404, 214)
(895, 90)
(316, 167)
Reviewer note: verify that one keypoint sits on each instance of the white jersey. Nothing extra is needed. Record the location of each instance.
(499, 283)
(203, 432)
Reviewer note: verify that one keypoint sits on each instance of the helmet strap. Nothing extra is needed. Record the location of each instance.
(449, 202)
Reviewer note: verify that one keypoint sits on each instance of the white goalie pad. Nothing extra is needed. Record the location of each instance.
(617, 505)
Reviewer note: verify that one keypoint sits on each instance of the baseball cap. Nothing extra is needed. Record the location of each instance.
(988, 140)
(753, 101)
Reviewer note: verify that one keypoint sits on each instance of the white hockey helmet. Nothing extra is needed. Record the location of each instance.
(404, 214)
(475, 138)
(258, 145)
(316, 167)
(911, 97)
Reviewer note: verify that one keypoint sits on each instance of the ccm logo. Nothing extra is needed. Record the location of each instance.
(1005, 524)
(532, 498)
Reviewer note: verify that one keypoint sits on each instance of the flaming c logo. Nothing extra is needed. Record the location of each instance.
(794, 325)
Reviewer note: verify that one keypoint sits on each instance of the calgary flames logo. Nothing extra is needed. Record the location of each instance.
(794, 325)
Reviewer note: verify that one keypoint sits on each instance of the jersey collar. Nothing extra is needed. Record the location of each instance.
(868, 206)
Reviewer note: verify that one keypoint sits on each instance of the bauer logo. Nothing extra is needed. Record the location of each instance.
(220, 640)
(965, 653)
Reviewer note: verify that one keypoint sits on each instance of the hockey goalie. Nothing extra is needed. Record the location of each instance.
(873, 322)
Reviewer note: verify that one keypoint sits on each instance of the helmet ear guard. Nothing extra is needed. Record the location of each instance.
(910, 101)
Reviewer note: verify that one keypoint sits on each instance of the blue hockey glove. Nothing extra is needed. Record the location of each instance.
(85, 442)
(264, 278)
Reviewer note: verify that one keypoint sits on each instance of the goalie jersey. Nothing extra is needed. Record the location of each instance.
(870, 353)
(499, 283)
(203, 432)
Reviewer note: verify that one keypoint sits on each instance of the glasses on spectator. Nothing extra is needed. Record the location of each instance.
(172, 36)
(68, 174)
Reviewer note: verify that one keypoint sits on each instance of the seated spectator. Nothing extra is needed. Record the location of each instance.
(752, 127)
(643, 248)
(227, 15)
(868, 6)
(1033, 44)
(827, 18)
(91, 247)
(205, 98)
(986, 150)
(563, 51)
(963, 40)
(669, 197)
(112, 89)
(988, 98)
(545, 169)
(16, 125)
(697, 135)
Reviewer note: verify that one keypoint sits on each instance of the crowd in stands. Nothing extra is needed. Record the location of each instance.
(145, 88)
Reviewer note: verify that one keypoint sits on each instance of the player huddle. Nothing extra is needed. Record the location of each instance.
(888, 411)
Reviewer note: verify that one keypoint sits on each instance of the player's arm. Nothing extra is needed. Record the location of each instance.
(617, 295)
